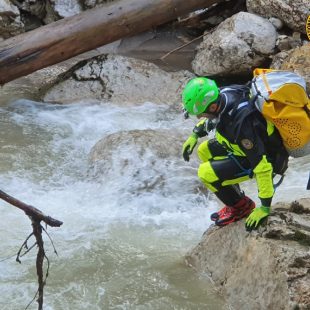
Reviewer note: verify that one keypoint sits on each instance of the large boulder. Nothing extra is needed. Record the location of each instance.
(10, 21)
(293, 13)
(118, 79)
(238, 44)
(264, 269)
(152, 158)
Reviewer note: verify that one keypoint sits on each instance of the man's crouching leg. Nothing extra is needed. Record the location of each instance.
(237, 205)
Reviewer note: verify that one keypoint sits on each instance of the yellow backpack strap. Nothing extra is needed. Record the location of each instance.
(266, 83)
(259, 71)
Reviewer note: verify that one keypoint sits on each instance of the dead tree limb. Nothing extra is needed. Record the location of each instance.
(36, 217)
(61, 40)
(30, 210)
(37, 230)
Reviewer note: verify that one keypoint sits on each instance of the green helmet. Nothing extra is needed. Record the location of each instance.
(198, 94)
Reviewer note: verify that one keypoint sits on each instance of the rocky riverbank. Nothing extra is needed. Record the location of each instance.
(264, 269)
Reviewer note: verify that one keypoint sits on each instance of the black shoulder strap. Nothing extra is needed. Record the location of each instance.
(240, 115)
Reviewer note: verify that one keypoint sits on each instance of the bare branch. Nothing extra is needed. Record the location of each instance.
(180, 47)
(36, 216)
(24, 245)
(30, 210)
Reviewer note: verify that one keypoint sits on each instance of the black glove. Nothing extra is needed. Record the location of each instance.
(204, 127)
(200, 129)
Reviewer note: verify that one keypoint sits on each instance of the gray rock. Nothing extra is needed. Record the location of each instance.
(264, 269)
(92, 3)
(238, 44)
(50, 11)
(10, 22)
(298, 61)
(285, 43)
(279, 58)
(277, 23)
(293, 13)
(118, 79)
(141, 155)
(66, 8)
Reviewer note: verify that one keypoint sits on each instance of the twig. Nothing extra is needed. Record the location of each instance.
(41, 282)
(28, 250)
(36, 216)
(7, 258)
(180, 47)
(30, 210)
(21, 248)
(32, 300)
(49, 237)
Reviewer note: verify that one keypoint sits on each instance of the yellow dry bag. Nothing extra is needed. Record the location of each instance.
(282, 98)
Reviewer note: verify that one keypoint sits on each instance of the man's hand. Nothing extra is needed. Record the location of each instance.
(200, 129)
(256, 217)
(189, 146)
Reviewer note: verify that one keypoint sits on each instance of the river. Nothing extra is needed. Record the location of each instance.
(116, 250)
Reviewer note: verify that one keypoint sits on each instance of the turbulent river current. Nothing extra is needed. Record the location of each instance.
(116, 250)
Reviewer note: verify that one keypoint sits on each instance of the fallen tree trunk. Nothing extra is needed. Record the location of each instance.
(72, 36)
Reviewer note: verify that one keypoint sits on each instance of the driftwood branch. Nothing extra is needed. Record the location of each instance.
(31, 211)
(36, 217)
(37, 230)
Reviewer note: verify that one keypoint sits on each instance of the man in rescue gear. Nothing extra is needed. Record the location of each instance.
(245, 146)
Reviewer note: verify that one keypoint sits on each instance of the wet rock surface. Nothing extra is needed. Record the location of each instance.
(10, 21)
(239, 44)
(299, 61)
(148, 150)
(266, 269)
(293, 13)
(118, 79)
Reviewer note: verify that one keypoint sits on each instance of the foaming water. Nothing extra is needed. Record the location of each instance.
(117, 249)
(294, 185)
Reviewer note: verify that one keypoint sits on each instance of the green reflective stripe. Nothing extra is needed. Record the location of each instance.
(207, 175)
(234, 148)
(235, 181)
(219, 157)
(263, 176)
(270, 128)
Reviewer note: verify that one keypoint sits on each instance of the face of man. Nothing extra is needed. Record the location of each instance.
(211, 112)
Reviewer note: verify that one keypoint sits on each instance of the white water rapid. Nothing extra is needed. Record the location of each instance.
(116, 250)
